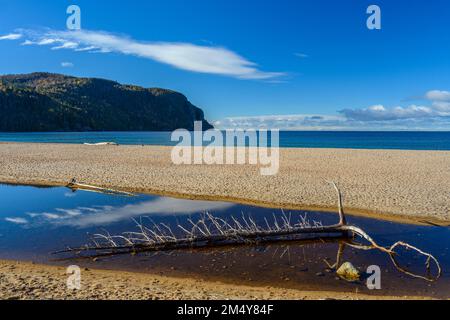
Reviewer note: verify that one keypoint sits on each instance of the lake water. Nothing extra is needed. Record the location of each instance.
(37, 221)
(291, 139)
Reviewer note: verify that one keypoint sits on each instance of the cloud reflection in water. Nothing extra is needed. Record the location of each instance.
(84, 217)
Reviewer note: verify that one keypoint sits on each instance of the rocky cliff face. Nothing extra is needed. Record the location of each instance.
(40, 102)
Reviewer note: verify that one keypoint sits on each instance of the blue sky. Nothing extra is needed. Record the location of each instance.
(288, 64)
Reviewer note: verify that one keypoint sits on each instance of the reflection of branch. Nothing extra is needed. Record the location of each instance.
(267, 244)
(214, 231)
(338, 256)
(210, 231)
(427, 262)
(391, 252)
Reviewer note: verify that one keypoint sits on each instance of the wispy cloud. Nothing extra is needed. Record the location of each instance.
(185, 56)
(83, 217)
(11, 36)
(67, 64)
(17, 220)
(301, 55)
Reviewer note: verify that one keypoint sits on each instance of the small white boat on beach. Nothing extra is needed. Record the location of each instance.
(101, 144)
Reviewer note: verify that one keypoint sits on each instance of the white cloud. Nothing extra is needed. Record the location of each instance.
(331, 122)
(439, 108)
(185, 56)
(380, 113)
(50, 216)
(438, 95)
(11, 36)
(44, 42)
(282, 122)
(66, 45)
(434, 116)
(17, 220)
(442, 106)
(67, 64)
(91, 48)
(440, 99)
(28, 43)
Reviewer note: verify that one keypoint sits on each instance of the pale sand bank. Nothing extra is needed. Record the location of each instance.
(21, 280)
(388, 183)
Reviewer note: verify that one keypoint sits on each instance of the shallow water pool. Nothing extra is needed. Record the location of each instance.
(36, 221)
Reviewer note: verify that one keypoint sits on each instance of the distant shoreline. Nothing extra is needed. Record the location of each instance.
(360, 140)
(405, 186)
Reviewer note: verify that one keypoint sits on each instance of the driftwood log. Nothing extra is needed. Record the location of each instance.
(211, 231)
(74, 186)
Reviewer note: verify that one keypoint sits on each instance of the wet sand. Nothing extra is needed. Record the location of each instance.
(22, 280)
(397, 185)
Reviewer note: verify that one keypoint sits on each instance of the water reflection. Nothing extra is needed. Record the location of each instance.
(86, 217)
(37, 221)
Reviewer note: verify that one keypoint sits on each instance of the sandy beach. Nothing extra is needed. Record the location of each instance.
(23, 280)
(389, 184)
(395, 185)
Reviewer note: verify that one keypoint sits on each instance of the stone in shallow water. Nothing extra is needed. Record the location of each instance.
(348, 272)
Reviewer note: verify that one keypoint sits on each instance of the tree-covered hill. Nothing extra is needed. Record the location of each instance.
(40, 102)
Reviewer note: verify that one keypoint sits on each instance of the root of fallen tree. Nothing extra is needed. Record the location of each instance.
(211, 231)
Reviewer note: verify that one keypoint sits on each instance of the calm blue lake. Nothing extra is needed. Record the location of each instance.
(37, 221)
(288, 139)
